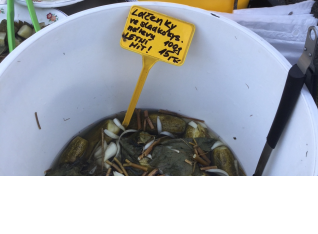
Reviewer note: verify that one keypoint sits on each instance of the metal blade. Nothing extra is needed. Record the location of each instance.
(306, 59)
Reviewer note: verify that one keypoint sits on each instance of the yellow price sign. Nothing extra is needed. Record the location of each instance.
(156, 37)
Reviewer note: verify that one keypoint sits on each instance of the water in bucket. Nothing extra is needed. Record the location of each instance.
(237, 93)
(154, 143)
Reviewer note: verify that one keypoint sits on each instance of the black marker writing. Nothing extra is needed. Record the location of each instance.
(136, 38)
(165, 52)
(134, 21)
(143, 28)
(167, 24)
(134, 45)
(175, 59)
(176, 48)
(147, 16)
(133, 29)
(160, 30)
(144, 33)
(141, 31)
(137, 46)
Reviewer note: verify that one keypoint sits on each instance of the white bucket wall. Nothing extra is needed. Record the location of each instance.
(74, 73)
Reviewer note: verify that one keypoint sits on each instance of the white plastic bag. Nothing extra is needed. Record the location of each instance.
(285, 27)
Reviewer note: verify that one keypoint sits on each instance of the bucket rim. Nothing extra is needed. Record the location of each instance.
(310, 104)
(10, 58)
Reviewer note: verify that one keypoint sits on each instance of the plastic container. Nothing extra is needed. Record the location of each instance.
(211, 5)
(215, 5)
(231, 78)
(241, 4)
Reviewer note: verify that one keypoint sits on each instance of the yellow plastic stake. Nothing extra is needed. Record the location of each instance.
(157, 37)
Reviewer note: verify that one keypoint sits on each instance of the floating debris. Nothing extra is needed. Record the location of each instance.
(111, 129)
(193, 124)
(167, 134)
(121, 166)
(159, 125)
(177, 151)
(37, 120)
(109, 171)
(138, 119)
(167, 146)
(224, 159)
(194, 130)
(23, 30)
(149, 144)
(189, 162)
(178, 115)
(74, 150)
(153, 172)
(117, 174)
(91, 172)
(114, 166)
(130, 164)
(147, 119)
(218, 172)
(111, 134)
(208, 168)
(217, 144)
(118, 124)
(111, 151)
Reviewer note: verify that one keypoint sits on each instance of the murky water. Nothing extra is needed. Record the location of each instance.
(165, 144)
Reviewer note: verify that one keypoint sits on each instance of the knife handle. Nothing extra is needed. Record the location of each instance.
(293, 86)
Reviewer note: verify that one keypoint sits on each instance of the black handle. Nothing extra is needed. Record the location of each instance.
(311, 82)
(293, 86)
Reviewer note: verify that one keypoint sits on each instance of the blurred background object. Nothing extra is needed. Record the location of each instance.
(86, 4)
(241, 4)
(269, 3)
(282, 23)
(284, 27)
(210, 5)
(215, 5)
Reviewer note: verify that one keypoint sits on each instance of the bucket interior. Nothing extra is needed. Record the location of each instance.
(74, 73)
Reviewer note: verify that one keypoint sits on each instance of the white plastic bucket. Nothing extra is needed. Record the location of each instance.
(74, 73)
